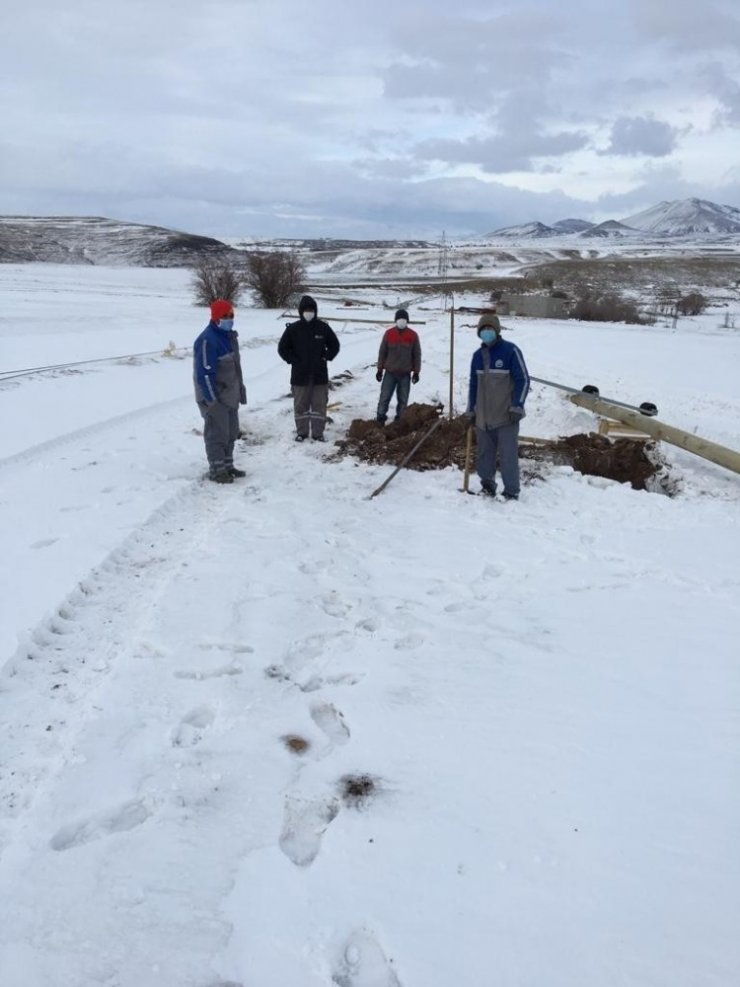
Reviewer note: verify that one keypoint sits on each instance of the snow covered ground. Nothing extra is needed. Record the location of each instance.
(539, 699)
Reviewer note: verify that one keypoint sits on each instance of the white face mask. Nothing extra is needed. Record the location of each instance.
(401, 323)
(308, 315)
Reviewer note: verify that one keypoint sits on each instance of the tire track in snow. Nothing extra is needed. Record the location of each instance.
(66, 661)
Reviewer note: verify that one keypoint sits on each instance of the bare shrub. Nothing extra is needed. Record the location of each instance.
(216, 279)
(692, 304)
(275, 277)
(606, 307)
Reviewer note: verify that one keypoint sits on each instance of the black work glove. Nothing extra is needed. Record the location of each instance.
(379, 375)
(515, 415)
(414, 378)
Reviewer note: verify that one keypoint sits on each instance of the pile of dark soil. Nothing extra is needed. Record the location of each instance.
(631, 461)
(374, 443)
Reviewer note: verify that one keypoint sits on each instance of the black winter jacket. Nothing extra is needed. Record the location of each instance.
(307, 347)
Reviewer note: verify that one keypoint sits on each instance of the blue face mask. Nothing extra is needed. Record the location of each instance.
(487, 336)
(226, 324)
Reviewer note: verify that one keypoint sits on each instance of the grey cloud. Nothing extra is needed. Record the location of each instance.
(641, 136)
(473, 62)
(726, 90)
(403, 168)
(499, 155)
(687, 27)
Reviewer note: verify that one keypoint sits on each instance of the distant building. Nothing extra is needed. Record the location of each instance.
(535, 306)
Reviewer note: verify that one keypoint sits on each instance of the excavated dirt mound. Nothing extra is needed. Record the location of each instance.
(631, 461)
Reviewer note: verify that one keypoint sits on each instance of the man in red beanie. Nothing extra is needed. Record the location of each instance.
(219, 390)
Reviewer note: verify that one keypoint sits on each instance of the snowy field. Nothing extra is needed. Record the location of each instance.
(542, 696)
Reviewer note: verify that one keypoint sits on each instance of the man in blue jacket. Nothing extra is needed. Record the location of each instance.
(219, 390)
(499, 384)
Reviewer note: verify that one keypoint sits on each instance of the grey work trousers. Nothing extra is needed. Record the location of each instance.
(220, 432)
(501, 443)
(309, 408)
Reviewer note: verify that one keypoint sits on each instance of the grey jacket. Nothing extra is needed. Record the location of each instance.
(498, 382)
(217, 370)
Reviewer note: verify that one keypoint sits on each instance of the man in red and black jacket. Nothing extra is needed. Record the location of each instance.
(399, 365)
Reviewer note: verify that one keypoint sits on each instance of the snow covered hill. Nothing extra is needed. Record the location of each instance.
(687, 216)
(281, 734)
(572, 225)
(534, 230)
(609, 230)
(93, 240)
(681, 218)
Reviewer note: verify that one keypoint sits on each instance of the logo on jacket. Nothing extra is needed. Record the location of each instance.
(499, 363)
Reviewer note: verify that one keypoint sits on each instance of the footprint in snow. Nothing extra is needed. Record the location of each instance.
(300, 653)
(304, 824)
(364, 964)
(210, 673)
(312, 568)
(409, 643)
(235, 647)
(44, 543)
(192, 726)
(333, 606)
(328, 718)
(316, 682)
(124, 817)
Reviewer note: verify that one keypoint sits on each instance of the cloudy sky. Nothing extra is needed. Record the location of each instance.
(366, 118)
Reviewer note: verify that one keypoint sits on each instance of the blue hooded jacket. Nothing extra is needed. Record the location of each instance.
(216, 367)
(501, 372)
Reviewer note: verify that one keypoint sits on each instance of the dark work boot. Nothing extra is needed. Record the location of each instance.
(488, 487)
(222, 478)
(236, 473)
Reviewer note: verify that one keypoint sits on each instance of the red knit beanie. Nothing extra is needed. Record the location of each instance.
(220, 309)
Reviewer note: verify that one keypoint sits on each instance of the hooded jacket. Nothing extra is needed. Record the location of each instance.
(308, 346)
(498, 381)
(217, 369)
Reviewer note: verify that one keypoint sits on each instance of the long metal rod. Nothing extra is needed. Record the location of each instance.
(10, 374)
(578, 390)
(407, 458)
(452, 355)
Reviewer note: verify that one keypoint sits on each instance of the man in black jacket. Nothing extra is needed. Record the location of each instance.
(308, 345)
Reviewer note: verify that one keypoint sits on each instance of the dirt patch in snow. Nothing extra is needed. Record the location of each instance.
(357, 790)
(633, 461)
(296, 744)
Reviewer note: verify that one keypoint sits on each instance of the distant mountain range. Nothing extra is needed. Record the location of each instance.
(682, 217)
(94, 240)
